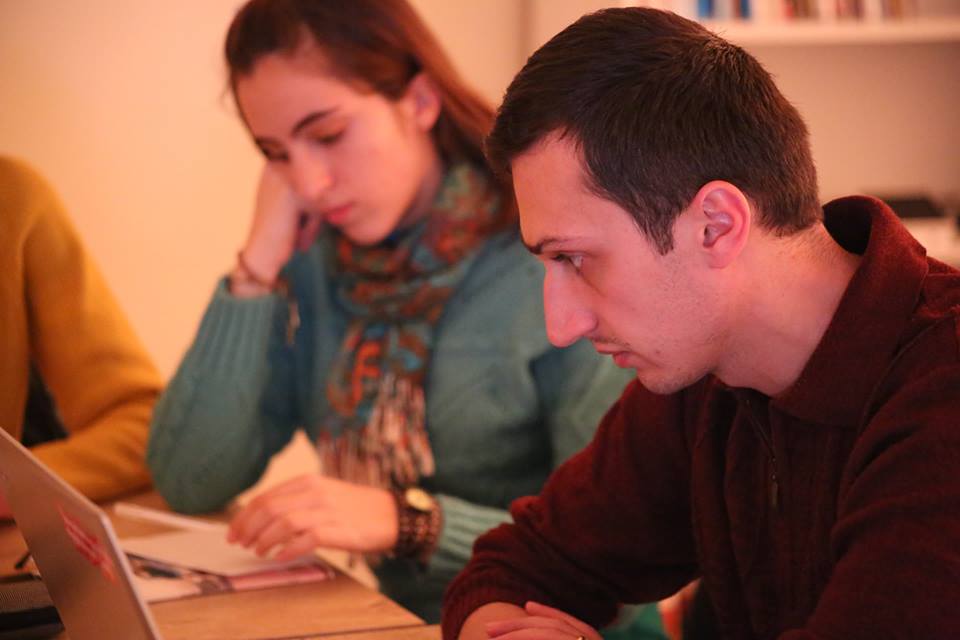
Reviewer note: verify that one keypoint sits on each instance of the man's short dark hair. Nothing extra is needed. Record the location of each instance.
(659, 106)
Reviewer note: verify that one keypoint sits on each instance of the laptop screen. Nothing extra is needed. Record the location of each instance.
(75, 549)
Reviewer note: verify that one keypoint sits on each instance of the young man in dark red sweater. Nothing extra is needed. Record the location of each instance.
(793, 435)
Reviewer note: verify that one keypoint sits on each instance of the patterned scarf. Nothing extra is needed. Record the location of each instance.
(394, 293)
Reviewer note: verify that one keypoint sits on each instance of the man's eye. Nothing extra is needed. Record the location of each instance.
(574, 261)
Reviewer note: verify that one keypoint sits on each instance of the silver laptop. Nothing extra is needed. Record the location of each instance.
(75, 549)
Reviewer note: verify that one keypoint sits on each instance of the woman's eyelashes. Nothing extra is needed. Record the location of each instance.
(270, 151)
(274, 156)
(326, 133)
(326, 139)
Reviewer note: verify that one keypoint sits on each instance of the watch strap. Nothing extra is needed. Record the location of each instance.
(417, 529)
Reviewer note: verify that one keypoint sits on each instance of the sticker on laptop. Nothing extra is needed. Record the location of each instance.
(88, 545)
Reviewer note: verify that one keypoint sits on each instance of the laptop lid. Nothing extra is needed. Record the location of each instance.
(75, 549)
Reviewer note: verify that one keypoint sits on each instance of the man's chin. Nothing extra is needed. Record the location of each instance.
(660, 384)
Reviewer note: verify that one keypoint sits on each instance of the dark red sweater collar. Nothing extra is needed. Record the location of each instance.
(873, 314)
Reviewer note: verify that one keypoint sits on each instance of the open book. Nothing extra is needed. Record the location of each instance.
(198, 560)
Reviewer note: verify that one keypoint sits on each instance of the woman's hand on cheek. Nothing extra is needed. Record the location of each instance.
(542, 623)
(279, 227)
(315, 511)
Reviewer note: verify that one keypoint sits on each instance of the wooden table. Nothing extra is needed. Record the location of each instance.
(338, 609)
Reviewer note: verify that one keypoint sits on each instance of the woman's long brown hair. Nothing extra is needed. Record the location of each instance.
(380, 44)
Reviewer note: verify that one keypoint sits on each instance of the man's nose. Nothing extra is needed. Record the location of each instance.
(567, 317)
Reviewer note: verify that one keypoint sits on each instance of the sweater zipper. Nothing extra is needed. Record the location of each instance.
(774, 492)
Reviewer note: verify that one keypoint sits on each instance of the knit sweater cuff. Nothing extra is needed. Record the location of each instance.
(235, 332)
(463, 522)
(463, 598)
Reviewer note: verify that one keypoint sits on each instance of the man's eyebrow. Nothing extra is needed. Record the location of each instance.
(537, 249)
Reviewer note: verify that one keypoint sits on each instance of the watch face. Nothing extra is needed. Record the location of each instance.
(418, 499)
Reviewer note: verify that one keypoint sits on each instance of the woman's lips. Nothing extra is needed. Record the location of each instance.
(337, 215)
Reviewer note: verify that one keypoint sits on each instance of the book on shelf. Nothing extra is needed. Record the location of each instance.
(764, 10)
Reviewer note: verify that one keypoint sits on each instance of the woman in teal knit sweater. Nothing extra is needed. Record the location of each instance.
(382, 302)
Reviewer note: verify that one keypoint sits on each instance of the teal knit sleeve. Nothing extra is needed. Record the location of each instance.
(574, 388)
(211, 438)
(577, 387)
(463, 522)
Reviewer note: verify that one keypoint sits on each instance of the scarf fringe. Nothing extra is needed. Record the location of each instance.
(392, 449)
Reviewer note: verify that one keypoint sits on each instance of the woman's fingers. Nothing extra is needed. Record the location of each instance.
(248, 525)
(299, 545)
(341, 515)
(284, 529)
(245, 521)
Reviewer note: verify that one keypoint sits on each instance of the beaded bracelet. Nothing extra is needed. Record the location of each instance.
(280, 286)
(252, 275)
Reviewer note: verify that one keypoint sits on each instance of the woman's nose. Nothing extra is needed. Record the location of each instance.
(311, 178)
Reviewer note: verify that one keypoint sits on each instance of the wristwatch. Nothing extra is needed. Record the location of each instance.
(419, 519)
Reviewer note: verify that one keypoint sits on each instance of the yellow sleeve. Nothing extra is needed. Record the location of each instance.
(95, 367)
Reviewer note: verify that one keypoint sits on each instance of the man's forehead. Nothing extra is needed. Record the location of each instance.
(550, 184)
(555, 149)
(558, 213)
(549, 181)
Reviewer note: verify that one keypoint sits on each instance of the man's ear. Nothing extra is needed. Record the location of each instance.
(422, 99)
(720, 217)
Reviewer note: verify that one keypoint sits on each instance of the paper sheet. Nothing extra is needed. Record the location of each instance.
(205, 551)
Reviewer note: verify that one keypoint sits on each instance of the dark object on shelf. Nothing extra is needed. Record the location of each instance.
(26, 610)
(914, 206)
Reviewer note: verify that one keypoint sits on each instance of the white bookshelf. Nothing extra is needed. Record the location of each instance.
(812, 32)
(879, 96)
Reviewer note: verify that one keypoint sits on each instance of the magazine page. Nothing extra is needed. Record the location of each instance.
(157, 581)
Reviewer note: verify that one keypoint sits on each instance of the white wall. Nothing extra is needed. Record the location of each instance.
(882, 118)
(484, 38)
(121, 104)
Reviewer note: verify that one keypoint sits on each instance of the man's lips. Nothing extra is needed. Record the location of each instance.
(623, 359)
(620, 357)
(608, 351)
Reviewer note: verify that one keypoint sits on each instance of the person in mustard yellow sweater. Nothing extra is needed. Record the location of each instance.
(60, 324)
